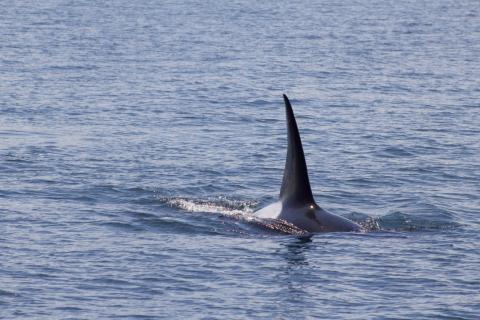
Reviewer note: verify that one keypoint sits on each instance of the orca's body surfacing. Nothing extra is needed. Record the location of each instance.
(296, 204)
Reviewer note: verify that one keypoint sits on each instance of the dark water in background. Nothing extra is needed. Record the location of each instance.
(136, 139)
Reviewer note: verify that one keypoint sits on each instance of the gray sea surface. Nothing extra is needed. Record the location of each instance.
(137, 138)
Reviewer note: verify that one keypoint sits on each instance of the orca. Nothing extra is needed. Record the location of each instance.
(296, 205)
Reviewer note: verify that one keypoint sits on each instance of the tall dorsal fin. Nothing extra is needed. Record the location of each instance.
(295, 186)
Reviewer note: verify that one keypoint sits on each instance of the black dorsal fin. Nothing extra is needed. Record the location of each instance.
(295, 186)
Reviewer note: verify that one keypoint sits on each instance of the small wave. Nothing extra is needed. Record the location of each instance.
(398, 221)
(8, 293)
(122, 225)
(395, 152)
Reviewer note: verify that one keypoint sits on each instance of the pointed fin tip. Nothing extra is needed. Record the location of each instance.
(289, 110)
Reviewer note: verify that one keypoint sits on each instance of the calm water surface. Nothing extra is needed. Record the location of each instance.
(137, 139)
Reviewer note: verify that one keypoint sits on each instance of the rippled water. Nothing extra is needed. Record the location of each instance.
(137, 139)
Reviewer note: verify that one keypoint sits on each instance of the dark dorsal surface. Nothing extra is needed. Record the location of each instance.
(295, 186)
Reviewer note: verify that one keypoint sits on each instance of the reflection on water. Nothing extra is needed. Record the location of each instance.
(295, 270)
(296, 249)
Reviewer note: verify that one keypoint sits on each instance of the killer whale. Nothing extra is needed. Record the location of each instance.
(296, 204)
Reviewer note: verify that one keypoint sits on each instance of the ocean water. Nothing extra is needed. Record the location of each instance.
(138, 138)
